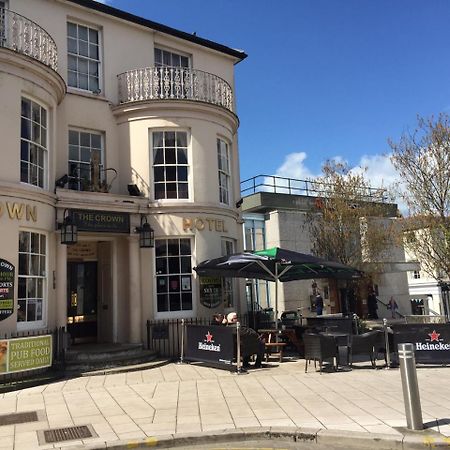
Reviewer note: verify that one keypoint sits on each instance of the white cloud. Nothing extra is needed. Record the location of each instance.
(380, 171)
(294, 167)
(105, 2)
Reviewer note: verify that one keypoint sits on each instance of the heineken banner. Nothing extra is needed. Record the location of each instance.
(6, 289)
(431, 341)
(20, 354)
(212, 344)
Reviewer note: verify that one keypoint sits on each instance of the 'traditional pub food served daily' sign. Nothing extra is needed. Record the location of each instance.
(6, 289)
(20, 354)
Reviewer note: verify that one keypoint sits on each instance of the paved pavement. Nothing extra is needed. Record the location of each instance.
(152, 406)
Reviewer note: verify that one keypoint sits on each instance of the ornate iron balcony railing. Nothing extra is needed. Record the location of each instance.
(24, 36)
(174, 83)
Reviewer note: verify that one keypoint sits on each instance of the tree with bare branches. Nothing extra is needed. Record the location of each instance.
(350, 224)
(422, 159)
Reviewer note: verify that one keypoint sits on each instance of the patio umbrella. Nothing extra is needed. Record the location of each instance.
(277, 265)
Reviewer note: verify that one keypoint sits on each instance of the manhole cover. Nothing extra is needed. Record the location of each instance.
(66, 434)
(22, 417)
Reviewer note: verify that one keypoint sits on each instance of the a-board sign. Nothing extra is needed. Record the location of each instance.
(6, 289)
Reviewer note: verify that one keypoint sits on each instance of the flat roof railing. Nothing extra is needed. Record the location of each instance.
(293, 186)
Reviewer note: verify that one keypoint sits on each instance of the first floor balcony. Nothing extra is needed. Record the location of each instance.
(22, 35)
(174, 83)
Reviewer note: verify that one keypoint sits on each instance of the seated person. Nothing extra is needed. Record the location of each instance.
(219, 319)
(251, 343)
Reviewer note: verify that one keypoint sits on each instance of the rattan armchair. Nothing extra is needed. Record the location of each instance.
(320, 348)
(365, 344)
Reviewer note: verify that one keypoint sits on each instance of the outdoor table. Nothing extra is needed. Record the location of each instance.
(272, 347)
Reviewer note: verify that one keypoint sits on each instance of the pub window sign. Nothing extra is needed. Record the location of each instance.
(6, 289)
(210, 291)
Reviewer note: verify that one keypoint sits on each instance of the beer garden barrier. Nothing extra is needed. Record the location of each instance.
(431, 341)
(214, 345)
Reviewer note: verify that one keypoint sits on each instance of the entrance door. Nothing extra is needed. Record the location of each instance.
(105, 293)
(82, 301)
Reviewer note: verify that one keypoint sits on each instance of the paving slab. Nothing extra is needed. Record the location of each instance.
(362, 407)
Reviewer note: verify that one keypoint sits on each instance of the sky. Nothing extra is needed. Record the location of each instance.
(324, 78)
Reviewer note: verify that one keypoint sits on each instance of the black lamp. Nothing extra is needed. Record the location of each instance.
(146, 234)
(69, 231)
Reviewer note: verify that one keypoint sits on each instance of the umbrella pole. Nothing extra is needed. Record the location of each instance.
(276, 296)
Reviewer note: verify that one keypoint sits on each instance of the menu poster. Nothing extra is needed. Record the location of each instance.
(6, 289)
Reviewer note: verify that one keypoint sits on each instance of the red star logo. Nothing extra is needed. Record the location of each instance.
(209, 337)
(434, 336)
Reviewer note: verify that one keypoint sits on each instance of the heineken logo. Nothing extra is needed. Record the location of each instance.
(433, 343)
(434, 336)
(208, 343)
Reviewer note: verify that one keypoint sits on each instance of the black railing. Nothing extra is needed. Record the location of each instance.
(395, 312)
(309, 188)
(164, 336)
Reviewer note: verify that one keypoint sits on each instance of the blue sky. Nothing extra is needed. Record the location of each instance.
(324, 78)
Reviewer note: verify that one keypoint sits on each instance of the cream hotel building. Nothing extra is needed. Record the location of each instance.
(127, 130)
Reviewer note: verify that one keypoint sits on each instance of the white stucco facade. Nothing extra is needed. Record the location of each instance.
(87, 110)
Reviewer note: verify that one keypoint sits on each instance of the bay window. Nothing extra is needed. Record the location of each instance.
(33, 143)
(170, 164)
(32, 277)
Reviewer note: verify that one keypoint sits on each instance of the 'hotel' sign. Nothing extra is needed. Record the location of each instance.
(201, 224)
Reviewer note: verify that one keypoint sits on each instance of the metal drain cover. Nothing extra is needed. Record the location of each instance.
(22, 417)
(66, 434)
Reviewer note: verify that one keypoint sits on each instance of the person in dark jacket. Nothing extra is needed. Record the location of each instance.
(319, 304)
(372, 305)
(251, 343)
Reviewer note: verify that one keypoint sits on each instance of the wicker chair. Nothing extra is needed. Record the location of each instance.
(320, 348)
(365, 344)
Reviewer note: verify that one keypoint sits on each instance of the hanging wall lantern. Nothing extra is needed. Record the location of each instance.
(69, 231)
(146, 234)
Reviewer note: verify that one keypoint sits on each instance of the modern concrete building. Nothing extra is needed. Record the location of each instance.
(127, 129)
(275, 211)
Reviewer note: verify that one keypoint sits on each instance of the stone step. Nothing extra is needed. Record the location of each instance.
(131, 368)
(79, 359)
(99, 352)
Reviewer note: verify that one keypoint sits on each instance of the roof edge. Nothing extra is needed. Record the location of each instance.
(110, 10)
